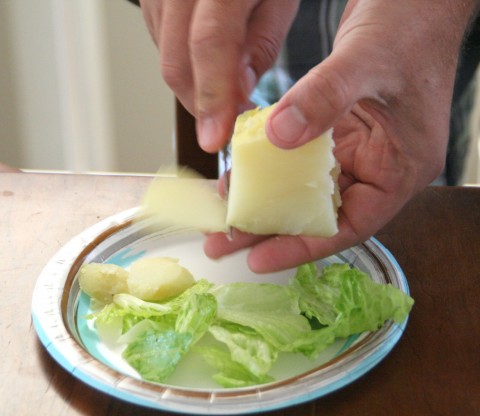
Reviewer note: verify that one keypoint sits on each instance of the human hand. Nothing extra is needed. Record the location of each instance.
(386, 89)
(212, 54)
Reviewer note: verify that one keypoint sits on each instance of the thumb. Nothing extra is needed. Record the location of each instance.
(315, 103)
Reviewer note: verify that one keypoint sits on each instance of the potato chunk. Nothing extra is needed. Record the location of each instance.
(158, 278)
(102, 281)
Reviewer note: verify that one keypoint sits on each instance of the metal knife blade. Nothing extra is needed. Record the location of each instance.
(225, 160)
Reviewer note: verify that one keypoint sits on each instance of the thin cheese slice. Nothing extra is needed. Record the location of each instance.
(187, 200)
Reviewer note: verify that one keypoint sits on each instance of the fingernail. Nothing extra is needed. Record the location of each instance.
(208, 131)
(288, 125)
(249, 80)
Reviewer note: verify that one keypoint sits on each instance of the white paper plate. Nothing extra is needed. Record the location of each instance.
(59, 308)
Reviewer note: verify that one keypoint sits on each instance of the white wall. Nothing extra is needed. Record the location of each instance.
(143, 106)
(33, 116)
(9, 134)
(80, 88)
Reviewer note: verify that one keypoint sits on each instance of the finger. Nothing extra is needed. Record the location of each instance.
(317, 101)
(173, 35)
(217, 39)
(267, 29)
(365, 210)
(218, 245)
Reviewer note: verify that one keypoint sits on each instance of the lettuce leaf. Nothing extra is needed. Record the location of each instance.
(230, 373)
(143, 326)
(155, 355)
(271, 310)
(156, 352)
(347, 300)
(247, 348)
(255, 321)
(196, 315)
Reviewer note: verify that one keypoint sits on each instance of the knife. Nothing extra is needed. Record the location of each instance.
(225, 160)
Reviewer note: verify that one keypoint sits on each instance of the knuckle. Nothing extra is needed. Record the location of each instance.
(176, 76)
(265, 51)
(208, 100)
(331, 87)
(213, 35)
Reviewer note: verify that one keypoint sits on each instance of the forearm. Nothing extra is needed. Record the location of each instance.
(450, 24)
(466, 12)
(412, 49)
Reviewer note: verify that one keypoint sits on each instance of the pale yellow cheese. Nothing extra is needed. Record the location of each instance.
(278, 191)
(185, 199)
(158, 278)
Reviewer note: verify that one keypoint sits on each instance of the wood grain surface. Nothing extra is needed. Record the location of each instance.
(433, 370)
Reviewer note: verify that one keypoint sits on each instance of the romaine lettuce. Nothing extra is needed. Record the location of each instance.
(251, 323)
(155, 355)
(230, 373)
(247, 348)
(156, 352)
(348, 300)
(271, 310)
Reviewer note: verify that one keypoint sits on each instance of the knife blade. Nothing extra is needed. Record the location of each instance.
(225, 160)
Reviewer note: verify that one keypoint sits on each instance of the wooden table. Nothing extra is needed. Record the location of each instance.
(433, 370)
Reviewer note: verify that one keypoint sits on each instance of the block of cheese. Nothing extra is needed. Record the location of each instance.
(278, 191)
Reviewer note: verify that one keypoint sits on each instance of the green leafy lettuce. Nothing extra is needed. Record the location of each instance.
(156, 353)
(348, 300)
(271, 310)
(250, 323)
(343, 301)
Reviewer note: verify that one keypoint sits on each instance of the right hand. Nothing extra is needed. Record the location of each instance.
(212, 54)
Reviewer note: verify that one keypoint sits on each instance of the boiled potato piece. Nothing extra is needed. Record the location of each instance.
(278, 191)
(158, 278)
(102, 281)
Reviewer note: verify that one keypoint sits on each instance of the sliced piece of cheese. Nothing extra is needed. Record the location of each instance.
(278, 191)
(185, 199)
